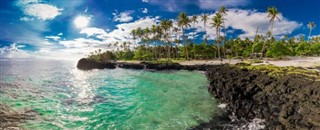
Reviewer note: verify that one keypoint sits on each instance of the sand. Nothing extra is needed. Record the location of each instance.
(289, 61)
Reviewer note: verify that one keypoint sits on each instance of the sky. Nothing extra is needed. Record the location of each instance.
(64, 29)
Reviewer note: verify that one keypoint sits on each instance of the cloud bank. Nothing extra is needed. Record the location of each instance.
(35, 9)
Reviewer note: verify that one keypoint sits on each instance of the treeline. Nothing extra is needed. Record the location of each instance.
(165, 41)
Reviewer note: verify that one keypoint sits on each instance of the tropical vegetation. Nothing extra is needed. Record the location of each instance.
(166, 41)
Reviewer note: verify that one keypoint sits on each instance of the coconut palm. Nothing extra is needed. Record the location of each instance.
(204, 18)
(139, 33)
(159, 34)
(273, 14)
(311, 25)
(223, 11)
(166, 26)
(184, 22)
(176, 40)
(153, 31)
(217, 22)
(194, 21)
(134, 34)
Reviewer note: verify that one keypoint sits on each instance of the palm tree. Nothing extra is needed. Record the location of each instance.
(166, 26)
(223, 12)
(217, 22)
(139, 33)
(154, 37)
(158, 37)
(194, 21)
(146, 33)
(273, 14)
(176, 40)
(184, 22)
(134, 34)
(311, 25)
(204, 18)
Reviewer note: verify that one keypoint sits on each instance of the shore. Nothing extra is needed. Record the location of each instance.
(285, 97)
(305, 62)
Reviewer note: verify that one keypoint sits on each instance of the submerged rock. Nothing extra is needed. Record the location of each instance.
(10, 119)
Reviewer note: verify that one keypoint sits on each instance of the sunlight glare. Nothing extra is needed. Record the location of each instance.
(81, 21)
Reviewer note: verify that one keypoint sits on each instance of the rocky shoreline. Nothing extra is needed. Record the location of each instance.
(289, 102)
(87, 64)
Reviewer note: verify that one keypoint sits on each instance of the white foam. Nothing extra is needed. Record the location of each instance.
(223, 105)
(255, 124)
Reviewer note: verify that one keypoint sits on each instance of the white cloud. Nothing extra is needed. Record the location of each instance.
(54, 38)
(216, 4)
(123, 16)
(247, 21)
(145, 1)
(38, 10)
(122, 32)
(13, 51)
(60, 34)
(26, 19)
(144, 10)
(180, 5)
(25, 2)
(80, 43)
(42, 11)
(93, 31)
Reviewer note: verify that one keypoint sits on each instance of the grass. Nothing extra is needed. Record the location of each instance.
(278, 72)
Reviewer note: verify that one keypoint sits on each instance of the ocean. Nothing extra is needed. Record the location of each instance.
(64, 97)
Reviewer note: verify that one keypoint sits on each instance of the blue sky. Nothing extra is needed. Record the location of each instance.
(73, 28)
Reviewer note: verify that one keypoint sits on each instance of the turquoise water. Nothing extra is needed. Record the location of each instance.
(67, 98)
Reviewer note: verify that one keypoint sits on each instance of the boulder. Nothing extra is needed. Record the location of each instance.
(87, 64)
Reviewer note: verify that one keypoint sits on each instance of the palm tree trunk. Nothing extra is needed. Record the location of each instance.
(309, 34)
(224, 47)
(185, 45)
(217, 42)
(264, 44)
(194, 44)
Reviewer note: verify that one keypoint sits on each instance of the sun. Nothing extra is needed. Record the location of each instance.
(81, 21)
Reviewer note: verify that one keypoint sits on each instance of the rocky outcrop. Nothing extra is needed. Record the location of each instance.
(87, 64)
(290, 102)
(125, 65)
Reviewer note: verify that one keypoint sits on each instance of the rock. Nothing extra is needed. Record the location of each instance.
(87, 64)
(130, 65)
(163, 66)
(290, 102)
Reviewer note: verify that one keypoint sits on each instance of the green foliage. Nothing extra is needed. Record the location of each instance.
(278, 50)
(165, 41)
(303, 49)
(103, 57)
(315, 49)
(279, 72)
(125, 55)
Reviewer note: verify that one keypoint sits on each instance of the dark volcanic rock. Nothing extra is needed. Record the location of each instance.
(164, 66)
(87, 64)
(130, 65)
(291, 102)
